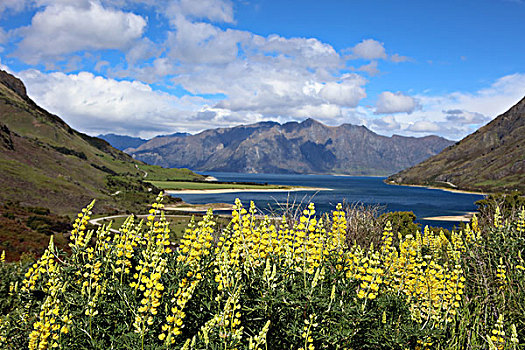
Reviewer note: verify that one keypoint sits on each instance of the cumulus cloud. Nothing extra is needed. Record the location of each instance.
(64, 28)
(142, 50)
(390, 102)
(310, 51)
(386, 123)
(204, 43)
(95, 104)
(457, 114)
(424, 126)
(368, 49)
(347, 93)
(232, 76)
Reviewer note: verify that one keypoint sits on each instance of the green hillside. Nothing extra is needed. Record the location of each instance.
(491, 160)
(46, 163)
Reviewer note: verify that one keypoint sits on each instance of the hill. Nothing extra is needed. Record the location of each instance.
(309, 147)
(46, 163)
(492, 159)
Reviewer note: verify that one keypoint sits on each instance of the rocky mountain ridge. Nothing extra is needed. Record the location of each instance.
(308, 147)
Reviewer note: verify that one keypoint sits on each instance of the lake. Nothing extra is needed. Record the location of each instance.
(345, 189)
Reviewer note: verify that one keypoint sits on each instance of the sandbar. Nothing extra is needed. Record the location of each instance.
(437, 188)
(464, 218)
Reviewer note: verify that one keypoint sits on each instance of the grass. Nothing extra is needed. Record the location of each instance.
(183, 185)
(51, 165)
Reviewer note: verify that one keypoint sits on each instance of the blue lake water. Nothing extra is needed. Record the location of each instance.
(345, 189)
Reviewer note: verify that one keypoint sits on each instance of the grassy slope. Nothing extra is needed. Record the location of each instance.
(490, 160)
(46, 163)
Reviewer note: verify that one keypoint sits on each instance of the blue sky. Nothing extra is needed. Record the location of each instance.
(145, 67)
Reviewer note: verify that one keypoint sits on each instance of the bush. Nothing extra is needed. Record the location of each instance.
(262, 283)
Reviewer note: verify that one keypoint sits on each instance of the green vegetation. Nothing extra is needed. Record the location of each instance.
(26, 230)
(46, 163)
(303, 283)
(194, 185)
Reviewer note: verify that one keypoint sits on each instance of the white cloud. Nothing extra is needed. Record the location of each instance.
(389, 102)
(204, 43)
(308, 51)
(465, 117)
(97, 105)
(491, 101)
(386, 123)
(369, 49)
(347, 93)
(396, 58)
(323, 111)
(424, 126)
(213, 10)
(13, 5)
(270, 76)
(370, 68)
(64, 28)
(142, 50)
(457, 114)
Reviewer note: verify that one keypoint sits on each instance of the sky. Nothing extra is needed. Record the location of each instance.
(146, 67)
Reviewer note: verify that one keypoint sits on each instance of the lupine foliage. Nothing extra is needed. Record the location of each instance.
(270, 283)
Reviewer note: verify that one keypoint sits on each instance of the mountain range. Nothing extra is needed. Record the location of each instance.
(308, 147)
(492, 159)
(121, 142)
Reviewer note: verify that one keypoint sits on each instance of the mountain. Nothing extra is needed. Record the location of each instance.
(122, 142)
(304, 148)
(492, 159)
(46, 163)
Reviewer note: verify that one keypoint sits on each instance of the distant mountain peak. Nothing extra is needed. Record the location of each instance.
(122, 142)
(292, 147)
(311, 121)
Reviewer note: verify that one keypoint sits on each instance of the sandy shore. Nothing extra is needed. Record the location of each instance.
(239, 190)
(464, 218)
(438, 188)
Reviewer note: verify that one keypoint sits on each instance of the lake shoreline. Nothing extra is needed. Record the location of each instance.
(455, 218)
(241, 190)
(446, 189)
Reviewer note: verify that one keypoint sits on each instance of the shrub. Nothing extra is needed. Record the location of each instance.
(262, 283)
